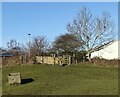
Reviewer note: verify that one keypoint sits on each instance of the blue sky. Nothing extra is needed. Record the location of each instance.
(47, 19)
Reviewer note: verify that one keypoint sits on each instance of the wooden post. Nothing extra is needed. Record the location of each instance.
(54, 58)
(69, 59)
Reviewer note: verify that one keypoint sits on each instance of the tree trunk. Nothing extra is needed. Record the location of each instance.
(89, 56)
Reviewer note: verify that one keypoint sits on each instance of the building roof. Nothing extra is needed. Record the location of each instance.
(105, 45)
(108, 51)
(6, 55)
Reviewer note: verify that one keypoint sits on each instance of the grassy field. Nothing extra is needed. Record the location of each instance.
(58, 80)
(0, 82)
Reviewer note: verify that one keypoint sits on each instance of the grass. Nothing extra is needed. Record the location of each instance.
(0, 82)
(58, 80)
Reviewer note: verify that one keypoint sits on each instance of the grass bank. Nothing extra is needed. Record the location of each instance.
(57, 80)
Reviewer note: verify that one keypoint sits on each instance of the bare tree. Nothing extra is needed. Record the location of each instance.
(93, 32)
(24, 49)
(12, 43)
(39, 45)
(13, 46)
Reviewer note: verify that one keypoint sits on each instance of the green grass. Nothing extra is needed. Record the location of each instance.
(0, 82)
(58, 80)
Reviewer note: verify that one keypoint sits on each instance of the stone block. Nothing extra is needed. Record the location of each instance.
(14, 78)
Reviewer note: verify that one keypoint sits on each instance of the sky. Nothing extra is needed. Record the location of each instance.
(45, 18)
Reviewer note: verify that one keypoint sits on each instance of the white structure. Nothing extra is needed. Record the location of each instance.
(110, 51)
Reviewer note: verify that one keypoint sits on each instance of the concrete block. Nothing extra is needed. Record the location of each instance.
(14, 78)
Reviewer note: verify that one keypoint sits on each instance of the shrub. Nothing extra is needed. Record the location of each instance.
(105, 62)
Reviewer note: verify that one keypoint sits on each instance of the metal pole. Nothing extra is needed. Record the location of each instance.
(29, 46)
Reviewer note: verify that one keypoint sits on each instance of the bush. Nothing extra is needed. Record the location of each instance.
(81, 56)
(105, 62)
(14, 60)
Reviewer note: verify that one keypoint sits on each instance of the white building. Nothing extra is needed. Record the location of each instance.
(110, 51)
